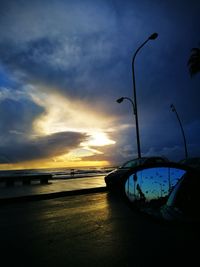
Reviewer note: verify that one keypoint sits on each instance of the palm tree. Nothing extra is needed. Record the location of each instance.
(194, 61)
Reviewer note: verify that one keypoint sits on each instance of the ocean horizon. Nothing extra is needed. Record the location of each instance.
(60, 173)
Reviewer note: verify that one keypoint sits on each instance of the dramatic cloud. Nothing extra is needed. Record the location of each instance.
(17, 114)
(63, 64)
(40, 147)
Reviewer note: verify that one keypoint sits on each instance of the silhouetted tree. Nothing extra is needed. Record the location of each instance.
(194, 61)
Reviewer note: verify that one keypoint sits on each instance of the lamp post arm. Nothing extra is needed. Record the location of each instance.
(133, 105)
(133, 72)
(184, 139)
(138, 50)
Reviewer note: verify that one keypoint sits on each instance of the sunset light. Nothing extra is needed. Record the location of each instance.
(63, 114)
(99, 139)
(66, 119)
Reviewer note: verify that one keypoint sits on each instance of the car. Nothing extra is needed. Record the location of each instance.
(193, 162)
(168, 191)
(115, 178)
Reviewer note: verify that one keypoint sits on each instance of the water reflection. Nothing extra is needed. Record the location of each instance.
(152, 184)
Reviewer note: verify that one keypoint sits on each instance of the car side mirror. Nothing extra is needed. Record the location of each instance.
(148, 188)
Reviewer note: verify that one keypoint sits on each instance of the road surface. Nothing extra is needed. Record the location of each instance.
(54, 186)
(90, 230)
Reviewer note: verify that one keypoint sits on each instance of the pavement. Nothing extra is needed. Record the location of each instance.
(91, 230)
(55, 188)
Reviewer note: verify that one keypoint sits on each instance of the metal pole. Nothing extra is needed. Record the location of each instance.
(135, 102)
(184, 139)
(152, 37)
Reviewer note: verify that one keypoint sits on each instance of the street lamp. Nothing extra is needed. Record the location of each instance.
(151, 37)
(184, 139)
(121, 99)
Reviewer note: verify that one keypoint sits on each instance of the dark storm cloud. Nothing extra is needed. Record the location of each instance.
(22, 149)
(17, 115)
(75, 47)
(18, 141)
(69, 64)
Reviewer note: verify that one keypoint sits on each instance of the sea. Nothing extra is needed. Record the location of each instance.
(60, 173)
(61, 179)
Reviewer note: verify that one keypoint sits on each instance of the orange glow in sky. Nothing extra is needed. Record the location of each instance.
(63, 115)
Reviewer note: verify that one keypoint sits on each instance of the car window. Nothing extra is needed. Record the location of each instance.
(155, 160)
(142, 161)
(130, 164)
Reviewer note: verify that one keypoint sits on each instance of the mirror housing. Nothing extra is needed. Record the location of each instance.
(161, 190)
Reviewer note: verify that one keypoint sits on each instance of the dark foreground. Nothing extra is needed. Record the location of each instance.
(91, 230)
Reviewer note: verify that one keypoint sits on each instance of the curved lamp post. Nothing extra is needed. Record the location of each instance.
(121, 99)
(184, 139)
(151, 37)
(134, 103)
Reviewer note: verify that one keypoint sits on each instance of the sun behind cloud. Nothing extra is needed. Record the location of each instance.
(63, 115)
(98, 139)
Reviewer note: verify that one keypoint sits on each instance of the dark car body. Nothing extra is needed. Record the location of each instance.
(183, 202)
(193, 162)
(116, 178)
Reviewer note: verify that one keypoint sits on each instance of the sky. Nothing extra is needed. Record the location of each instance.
(63, 65)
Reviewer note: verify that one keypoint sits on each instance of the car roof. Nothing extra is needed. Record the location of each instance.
(145, 158)
(148, 157)
(190, 159)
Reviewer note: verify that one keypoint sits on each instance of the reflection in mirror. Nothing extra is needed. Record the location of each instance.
(152, 184)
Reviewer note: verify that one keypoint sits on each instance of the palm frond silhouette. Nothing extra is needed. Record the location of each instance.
(194, 61)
